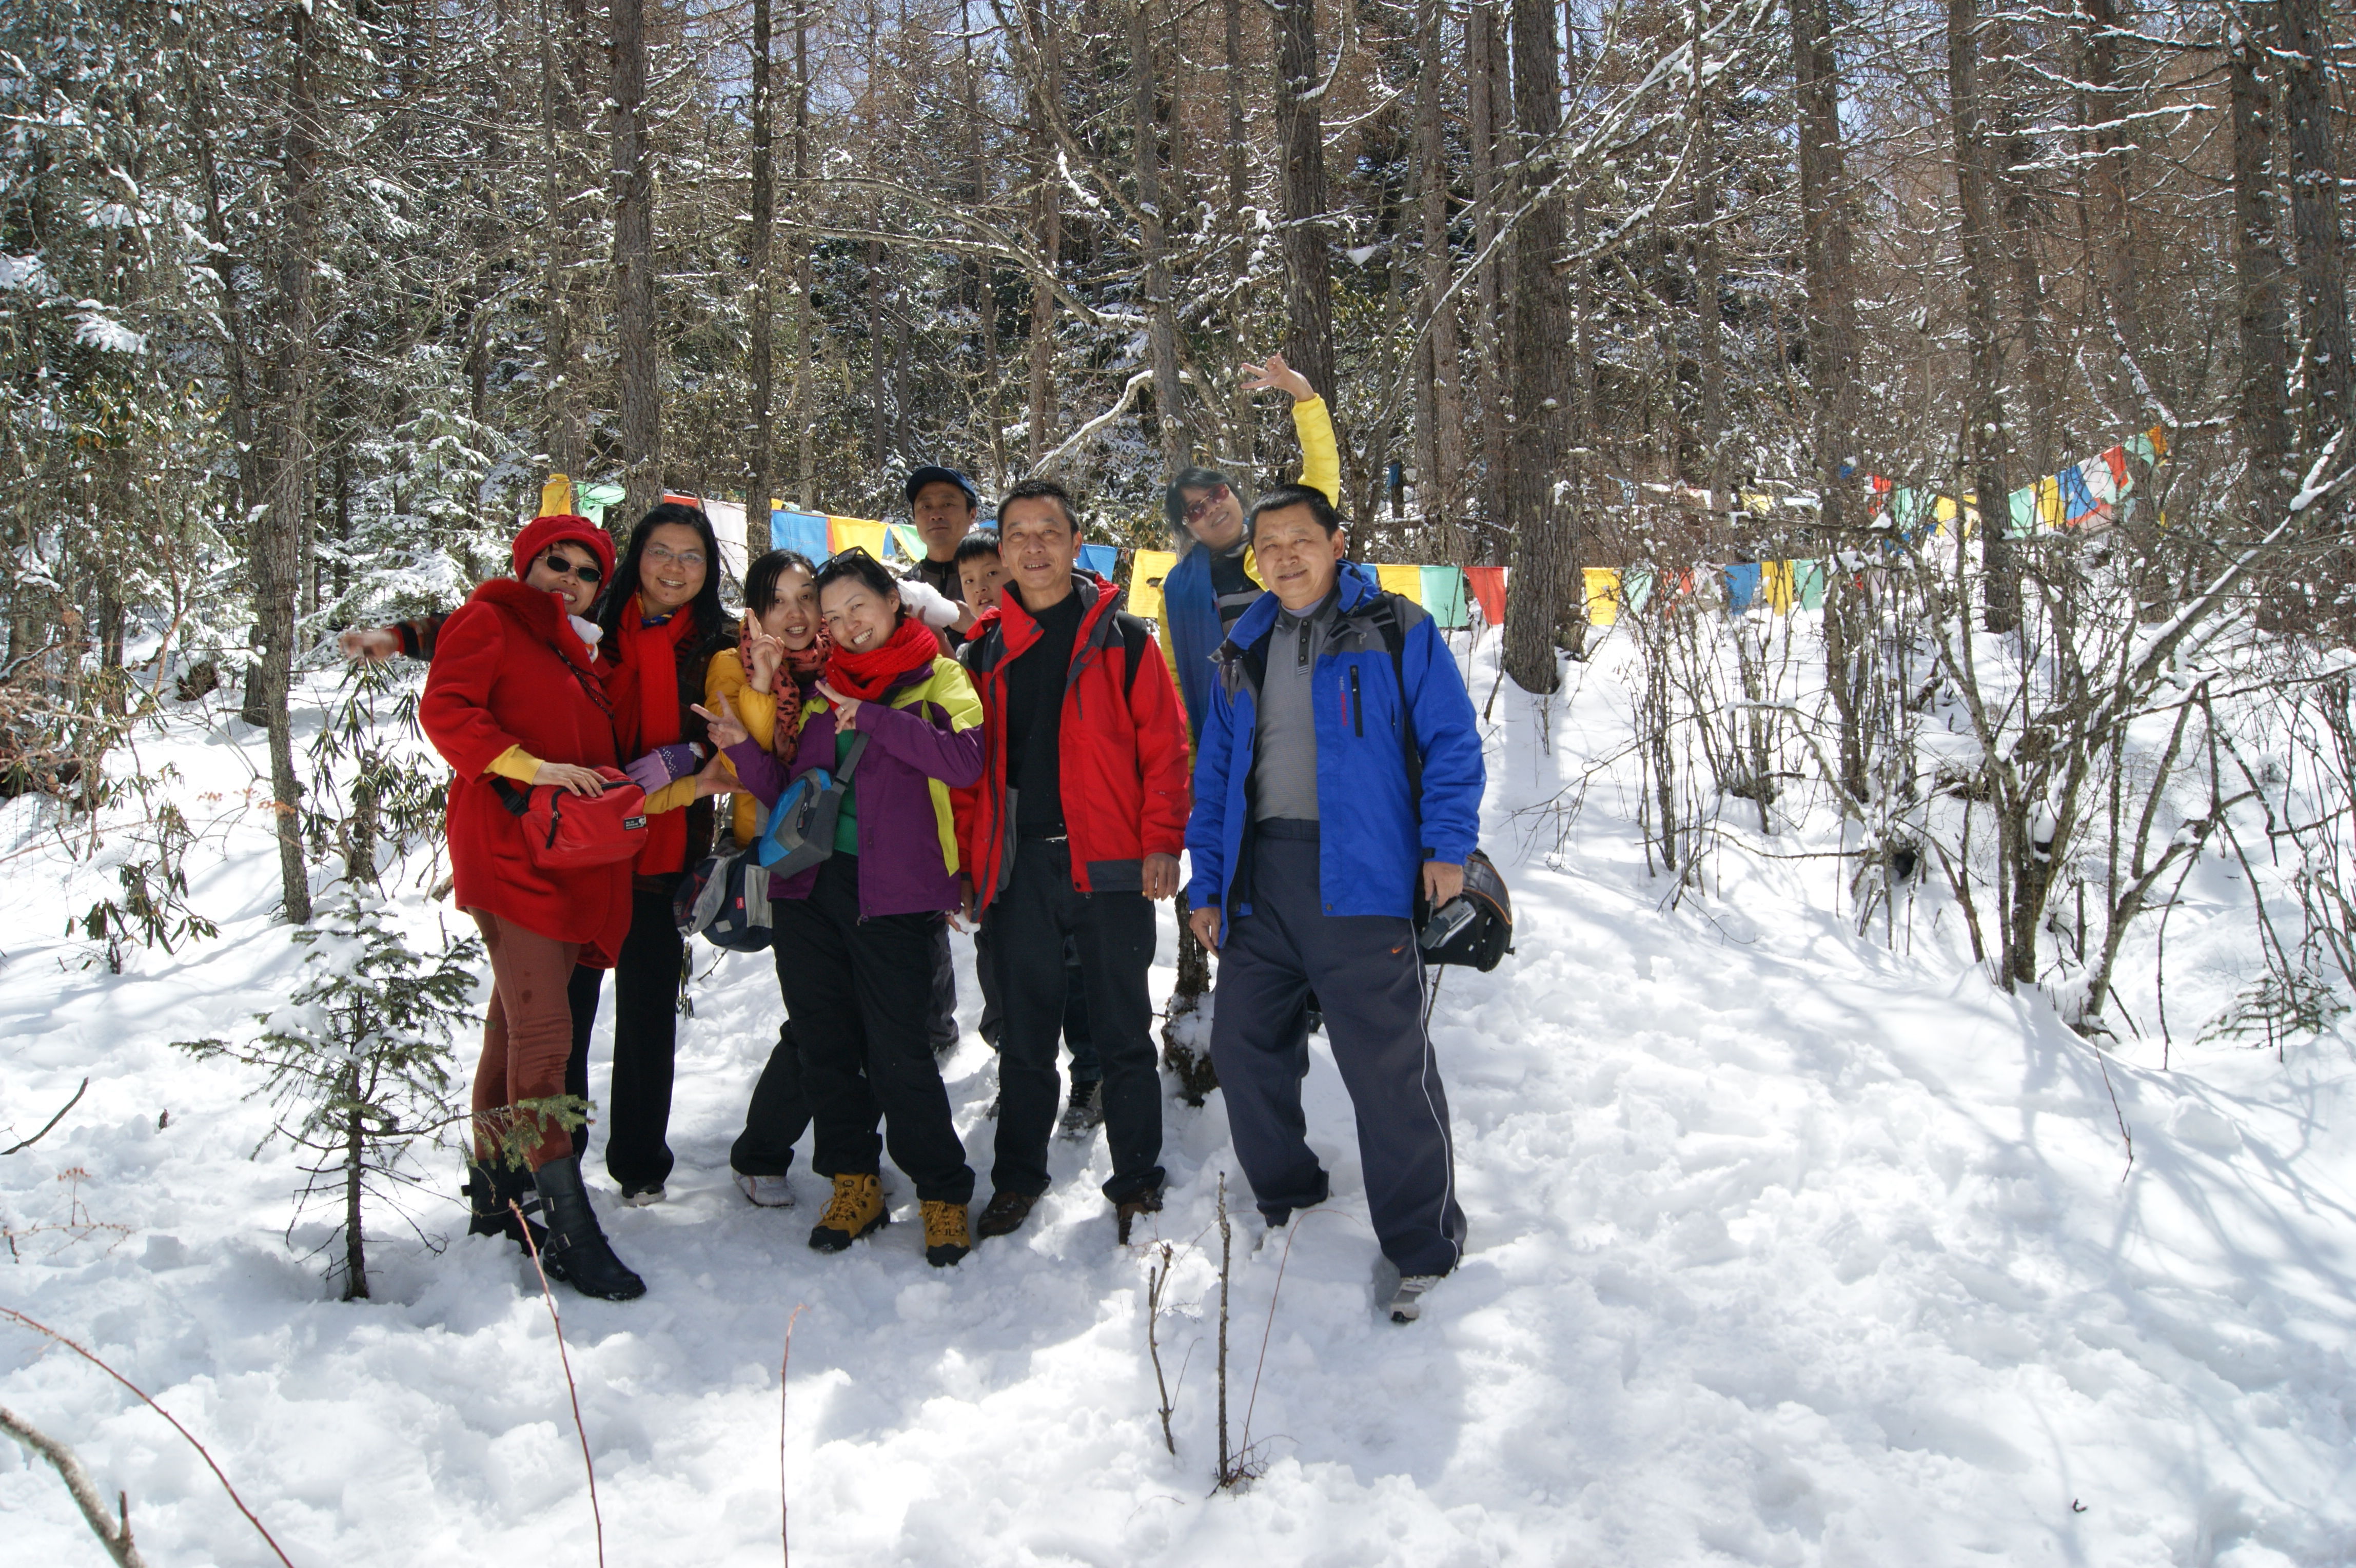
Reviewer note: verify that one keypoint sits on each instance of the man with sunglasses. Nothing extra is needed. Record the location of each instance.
(1216, 579)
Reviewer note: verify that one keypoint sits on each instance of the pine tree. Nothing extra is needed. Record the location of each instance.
(357, 1063)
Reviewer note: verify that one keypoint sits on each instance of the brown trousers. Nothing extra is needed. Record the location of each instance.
(527, 1035)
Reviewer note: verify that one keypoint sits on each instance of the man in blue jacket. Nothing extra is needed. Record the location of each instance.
(1309, 845)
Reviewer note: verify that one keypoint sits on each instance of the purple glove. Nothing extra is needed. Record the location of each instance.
(664, 764)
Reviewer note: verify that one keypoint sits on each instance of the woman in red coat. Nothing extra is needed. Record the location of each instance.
(515, 695)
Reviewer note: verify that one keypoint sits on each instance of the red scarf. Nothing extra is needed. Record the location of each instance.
(647, 713)
(865, 675)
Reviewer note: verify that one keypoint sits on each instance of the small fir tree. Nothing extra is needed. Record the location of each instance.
(358, 1064)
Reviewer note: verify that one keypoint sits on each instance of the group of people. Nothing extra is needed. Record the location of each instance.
(1012, 753)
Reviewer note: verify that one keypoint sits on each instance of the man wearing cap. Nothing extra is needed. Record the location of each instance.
(941, 504)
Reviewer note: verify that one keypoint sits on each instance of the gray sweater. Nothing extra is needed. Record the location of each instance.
(1285, 765)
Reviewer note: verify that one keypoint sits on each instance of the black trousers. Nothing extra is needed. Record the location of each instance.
(780, 1111)
(1029, 923)
(1370, 976)
(1086, 1067)
(861, 997)
(941, 1028)
(645, 1042)
(581, 993)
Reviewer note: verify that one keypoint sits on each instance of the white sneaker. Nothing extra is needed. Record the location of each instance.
(641, 1197)
(766, 1191)
(1407, 1302)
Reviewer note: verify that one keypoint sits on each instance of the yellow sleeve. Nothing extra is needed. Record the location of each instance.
(1321, 457)
(757, 711)
(672, 796)
(515, 763)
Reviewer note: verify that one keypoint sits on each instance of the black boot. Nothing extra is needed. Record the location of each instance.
(576, 1251)
(490, 1189)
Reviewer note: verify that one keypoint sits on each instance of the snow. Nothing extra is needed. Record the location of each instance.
(1787, 1246)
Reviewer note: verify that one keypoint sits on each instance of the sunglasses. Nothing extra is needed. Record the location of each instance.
(587, 571)
(1195, 511)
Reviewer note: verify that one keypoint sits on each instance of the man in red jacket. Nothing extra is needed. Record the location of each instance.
(1072, 829)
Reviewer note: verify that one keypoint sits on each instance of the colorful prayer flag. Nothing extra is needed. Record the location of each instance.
(848, 533)
(1405, 581)
(1635, 589)
(1602, 595)
(910, 543)
(1776, 580)
(801, 531)
(1742, 586)
(556, 497)
(1147, 568)
(2115, 459)
(1443, 595)
(2022, 503)
(2077, 502)
(1104, 559)
(1489, 589)
(1808, 584)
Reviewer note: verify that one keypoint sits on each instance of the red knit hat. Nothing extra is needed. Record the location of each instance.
(543, 532)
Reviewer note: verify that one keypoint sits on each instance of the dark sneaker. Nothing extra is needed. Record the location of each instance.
(1006, 1213)
(1127, 1211)
(1084, 1112)
(947, 1238)
(642, 1196)
(856, 1209)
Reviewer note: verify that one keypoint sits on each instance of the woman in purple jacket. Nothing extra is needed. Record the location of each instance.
(856, 932)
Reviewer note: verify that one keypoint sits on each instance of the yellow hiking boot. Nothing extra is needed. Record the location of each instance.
(856, 1209)
(947, 1236)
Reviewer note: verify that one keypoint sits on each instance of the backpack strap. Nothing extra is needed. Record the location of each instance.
(851, 752)
(1134, 640)
(1394, 634)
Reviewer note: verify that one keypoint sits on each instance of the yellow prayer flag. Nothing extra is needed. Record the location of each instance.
(2048, 501)
(1775, 583)
(1407, 582)
(844, 532)
(556, 497)
(1602, 595)
(1146, 570)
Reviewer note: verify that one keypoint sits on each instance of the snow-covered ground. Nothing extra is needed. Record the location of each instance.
(1786, 1247)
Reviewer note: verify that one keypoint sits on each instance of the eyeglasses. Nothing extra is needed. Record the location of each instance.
(586, 570)
(1195, 510)
(662, 555)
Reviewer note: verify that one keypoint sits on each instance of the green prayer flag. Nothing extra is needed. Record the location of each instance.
(1808, 584)
(1635, 588)
(1443, 595)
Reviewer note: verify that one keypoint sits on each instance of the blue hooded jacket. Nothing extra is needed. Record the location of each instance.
(1190, 619)
(1373, 837)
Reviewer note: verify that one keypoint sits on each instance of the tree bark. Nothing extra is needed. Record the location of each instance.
(560, 78)
(1161, 319)
(2261, 413)
(758, 481)
(2306, 53)
(1542, 477)
(805, 478)
(634, 272)
(1709, 269)
(1242, 423)
(1488, 106)
(1441, 454)
(277, 542)
(1046, 225)
(1300, 142)
(985, 285)
(1986, 442)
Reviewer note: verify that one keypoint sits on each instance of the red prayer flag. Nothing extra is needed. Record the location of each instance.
(1489, 588)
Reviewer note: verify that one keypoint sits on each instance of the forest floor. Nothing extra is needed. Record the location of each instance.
(1789, 1245)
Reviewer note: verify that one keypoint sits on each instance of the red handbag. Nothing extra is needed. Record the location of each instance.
(565, 832)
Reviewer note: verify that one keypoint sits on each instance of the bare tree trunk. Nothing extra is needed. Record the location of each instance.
(278, 529)
(1241, 422)
(1987, 437)
(2005, 149)
(634, 271)
(2106, 107)
(1709, 268)
(1046, 226)
(1300, 142)
(1440, 453)
(356, 1280)
(985, 287)
(1488, 105)
(1541, 477)
(2306, 54)
(757, 478)
(565, 415)
(805, 478)
(1161, 319)
(2261, 415)
(879, 409)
